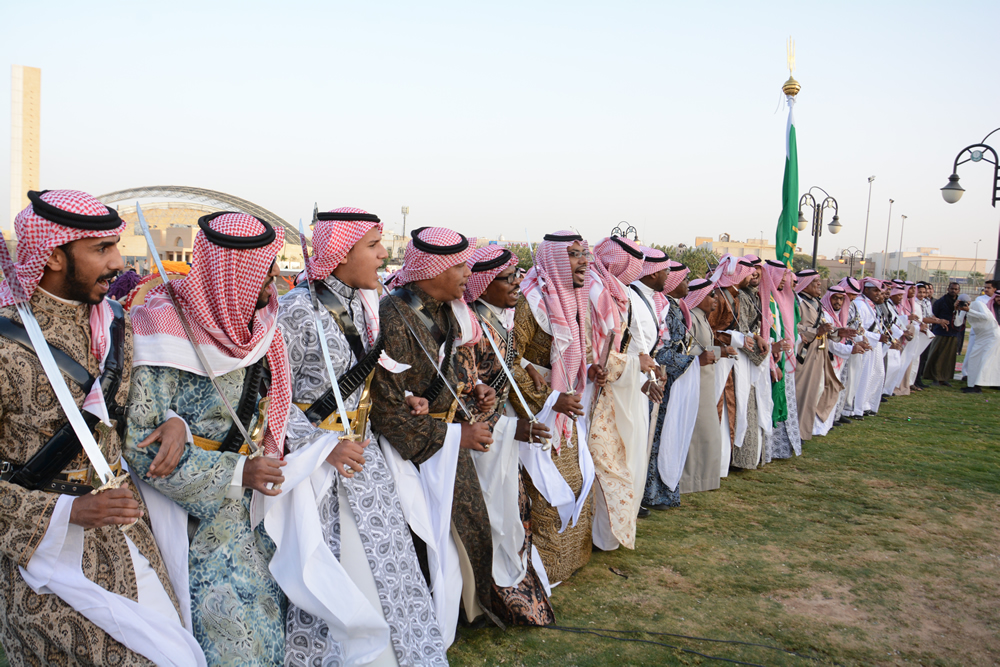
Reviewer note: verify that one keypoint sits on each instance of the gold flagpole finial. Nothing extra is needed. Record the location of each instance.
(791, 87)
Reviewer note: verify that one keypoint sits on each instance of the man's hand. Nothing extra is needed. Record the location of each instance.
(107, 508)
(172, 436)
(531, 431)
(761, 342)
(824, 329)
(786, 345)
(261, 471)
(728, 351)
(485, 397)
(476, 437)
(646, 363)
(417, 405)
(348, 457)
(536, 377)
(597, 374)
(914, 318)
(858, 349)
(654, 391)
(776, 375)
(884, 338)
(844, 332)
(569, 404)
(706, 358)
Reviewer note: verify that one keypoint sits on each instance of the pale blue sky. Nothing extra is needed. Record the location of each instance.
(491, 118)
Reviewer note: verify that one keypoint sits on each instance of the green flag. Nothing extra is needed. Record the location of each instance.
(788, 232)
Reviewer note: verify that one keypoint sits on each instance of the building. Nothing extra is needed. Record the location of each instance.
(25, 136)
(724, 245)
(924, 263)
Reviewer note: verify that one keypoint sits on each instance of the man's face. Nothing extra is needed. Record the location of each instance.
(989, 290)
(265, 291)
(657, 281)
(504, 289)
(87, 267)
(708, 303)
(452, 281)
(360, 268)
(874, 294)
(910, 292)
(953, 290)
(815, 289)
(755, 278)
(897, 299)
(837, 301)
(681, 290)
(577, 263)
(921, 292)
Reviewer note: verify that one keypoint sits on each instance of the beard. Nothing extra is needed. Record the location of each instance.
(77, 288)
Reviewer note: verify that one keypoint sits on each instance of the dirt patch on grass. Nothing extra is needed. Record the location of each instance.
(833, 603)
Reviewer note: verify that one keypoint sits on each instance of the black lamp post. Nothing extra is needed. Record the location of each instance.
(627, 231)
(953, 191)
(849, 256)
(817, 223)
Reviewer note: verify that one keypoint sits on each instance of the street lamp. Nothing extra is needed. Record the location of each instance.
(899, 254)
(952, 192)
(406, 212)
(817, 227)
(625, 231)
(864, 249)
(849, 256)
(885, 253)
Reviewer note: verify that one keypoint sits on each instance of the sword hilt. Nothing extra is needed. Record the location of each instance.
(114, 483)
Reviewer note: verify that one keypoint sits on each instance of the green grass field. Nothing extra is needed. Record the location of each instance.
(878, 546)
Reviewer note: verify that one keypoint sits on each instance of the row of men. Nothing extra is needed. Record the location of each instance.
(482, 435)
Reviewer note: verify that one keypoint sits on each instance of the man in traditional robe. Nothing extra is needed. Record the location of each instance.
(702, 464)
(619, 427)
(817, 385)
(360, 513)
(672, 438)
(841, 347)
(989, 289)
(901, 351)
(519, 586)
(925, 309)
(551, 331)
(753, 371)
(79, 589)
(781, 319)
(948, 338)
(227, 305)
(872, 372)
(424, 314)
(984, 369)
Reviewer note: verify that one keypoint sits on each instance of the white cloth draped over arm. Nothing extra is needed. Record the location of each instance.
(678, 424)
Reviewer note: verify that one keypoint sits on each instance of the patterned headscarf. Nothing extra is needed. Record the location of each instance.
(617, 263)
(698, 289)
(219, 298)
(486, 264)
(560, 309)
(678, 272)
(655, 260)
(432, 251)
(773, 274)
(334, 235)
(806, 276)
(55, 218)
(731, 271)
(851, 286)
(839, 316)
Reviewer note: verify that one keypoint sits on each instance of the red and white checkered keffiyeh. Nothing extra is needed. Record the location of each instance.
(37, 237)
(480, 280)
(333, 239)
(648, 267)
(219, 298)
(678, 272)
(839, 316)
(731, 271)
(420, 265)
(804, 280)
(850, 285)
(612, 271)
(772, 276)
(559, 308)
(699, 289)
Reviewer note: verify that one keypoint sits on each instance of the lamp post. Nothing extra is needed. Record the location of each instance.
(406, 212)
(902, 226)
(864, 249)
(626, 231)
(849, 255)
(952, 192)
(817, 222)
(885, 253)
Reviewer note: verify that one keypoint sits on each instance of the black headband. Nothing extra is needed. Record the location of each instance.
(680, 267)
(775, 263)
(657, 260)
(805, 273)
(836, 290)
(54, 214)
(236, 242)
(424, 246)
(696, 285)
(360, 217)
(490, 264)
(635, 252)
(569, 238)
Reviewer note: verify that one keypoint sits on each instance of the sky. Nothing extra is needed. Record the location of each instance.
(494, 118)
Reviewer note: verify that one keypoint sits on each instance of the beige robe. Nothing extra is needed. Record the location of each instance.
(817, 387)
(704, 459)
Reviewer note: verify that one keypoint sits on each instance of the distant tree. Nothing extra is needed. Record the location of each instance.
(939, 273)
(699, 260)
(522, 253)
(800, 262)
(897, 275)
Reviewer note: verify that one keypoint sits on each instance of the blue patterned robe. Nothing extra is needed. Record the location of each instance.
(673, 360)
(237, 608)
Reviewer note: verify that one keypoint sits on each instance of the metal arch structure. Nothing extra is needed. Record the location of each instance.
(213, 198)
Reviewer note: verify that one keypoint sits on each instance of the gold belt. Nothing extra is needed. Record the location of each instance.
(333, 422)
(213, 445)
(81, 476)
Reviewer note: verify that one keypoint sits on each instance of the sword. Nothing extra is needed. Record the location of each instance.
(427, 354)
(341, 408)
(255, 451)
(546, 445)
(52, 372)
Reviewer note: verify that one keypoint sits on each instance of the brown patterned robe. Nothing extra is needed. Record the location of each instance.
(724, 318)
(42, 629)
(565, 553)
(417, 438)
(526, 603)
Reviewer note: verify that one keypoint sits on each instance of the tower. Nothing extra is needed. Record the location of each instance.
(25, 125)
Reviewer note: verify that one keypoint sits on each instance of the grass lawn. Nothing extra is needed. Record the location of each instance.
(878, 546)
